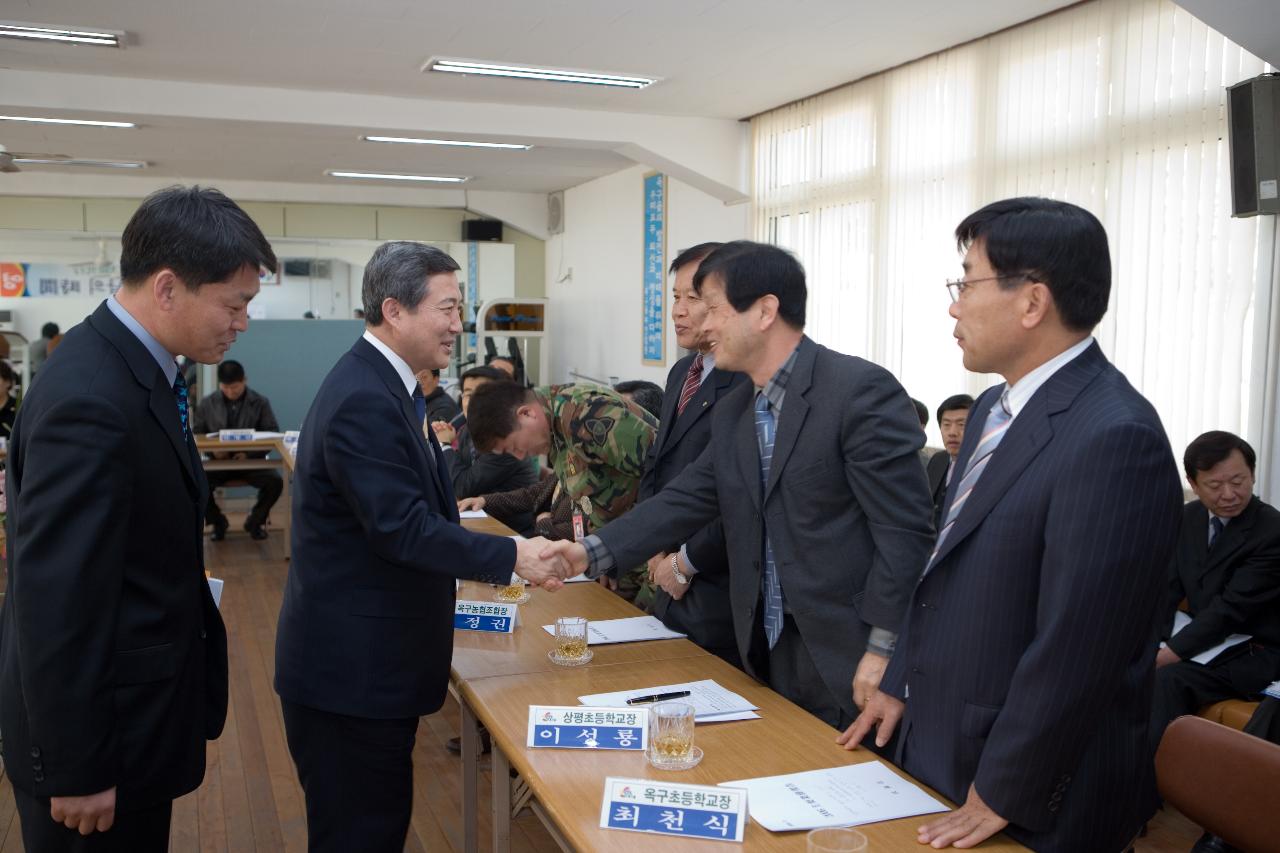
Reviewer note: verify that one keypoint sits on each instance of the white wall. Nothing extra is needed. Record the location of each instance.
(596, 312)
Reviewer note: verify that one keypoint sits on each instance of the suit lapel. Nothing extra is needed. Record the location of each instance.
(161, 400)
(1027, 436)
(699, 406)
(749, 451)
(795, 408)
(1230, 540)
(395, 387)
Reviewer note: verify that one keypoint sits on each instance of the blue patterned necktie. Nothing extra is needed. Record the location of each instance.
(993, 431)
(184, 413)
(420, 405)
(771, 588)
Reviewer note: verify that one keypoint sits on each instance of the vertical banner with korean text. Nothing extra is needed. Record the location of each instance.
(654, 328)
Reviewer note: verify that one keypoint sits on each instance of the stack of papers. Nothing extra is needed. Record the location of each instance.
(1182, 620)
(1273, 690)
(711, 702)
(473, 513)
(633, 629)
(840, 796)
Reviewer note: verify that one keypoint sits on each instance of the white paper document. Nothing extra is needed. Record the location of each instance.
(1272, 690)
(711, 702)
(633, 629)
(1182, 620)
(473, 513)
(841, 796)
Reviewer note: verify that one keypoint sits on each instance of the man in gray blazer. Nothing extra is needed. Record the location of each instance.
(814, 471)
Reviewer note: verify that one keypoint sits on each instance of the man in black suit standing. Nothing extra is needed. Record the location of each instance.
(813, 469)
(366, 627)
(1026, 661)
(692, 577)
(1227, 567)
(113, 658)
(953, 414)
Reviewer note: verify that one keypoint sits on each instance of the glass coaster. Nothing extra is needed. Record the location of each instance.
(579, 661)
(687, 763)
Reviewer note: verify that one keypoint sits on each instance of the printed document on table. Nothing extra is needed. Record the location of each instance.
(1273, 690)
(1182, 620)
(711, 702)
(473, 513)
(633, 629)
(840, 796)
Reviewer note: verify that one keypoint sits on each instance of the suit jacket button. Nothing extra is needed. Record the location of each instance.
(35, 752)
(203, 634)
(38, 766)
(38, 776)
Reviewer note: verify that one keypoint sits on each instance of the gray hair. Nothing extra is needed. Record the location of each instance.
(399, 270)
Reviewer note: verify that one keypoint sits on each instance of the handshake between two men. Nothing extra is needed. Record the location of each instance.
(545, 563)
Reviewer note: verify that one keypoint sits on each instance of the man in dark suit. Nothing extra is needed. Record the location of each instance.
(113, 659)
(366, 627)
(1227, 567)
(1025, 664)
(813, 469)
(952, 416)
(237, 406)
(692, 577)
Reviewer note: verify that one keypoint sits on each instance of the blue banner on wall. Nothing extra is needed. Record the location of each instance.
(653, 332)
(473, 290)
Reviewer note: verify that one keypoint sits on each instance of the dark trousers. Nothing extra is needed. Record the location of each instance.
(1265, 722)
(357, 775)
(268, 484)
(142, 831)
(1186, 687)
(788, 669)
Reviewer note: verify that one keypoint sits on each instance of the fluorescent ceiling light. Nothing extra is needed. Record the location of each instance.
(76, 121)
(35, 32)
(76, 161)
(454, 142)
(558, 75)
(376, 176)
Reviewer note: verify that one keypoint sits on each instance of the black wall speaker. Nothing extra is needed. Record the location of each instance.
(1253, 116)
(479, 230)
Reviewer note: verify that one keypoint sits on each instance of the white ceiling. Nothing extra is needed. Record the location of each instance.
(717, 59)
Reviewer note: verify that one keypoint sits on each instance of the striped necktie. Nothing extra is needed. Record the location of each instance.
(771, 587)
(998, 420)
(1216, 526)
(692, 382)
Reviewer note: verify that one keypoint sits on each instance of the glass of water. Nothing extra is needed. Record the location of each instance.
(836, 840)
(571, 642)
(671, 737)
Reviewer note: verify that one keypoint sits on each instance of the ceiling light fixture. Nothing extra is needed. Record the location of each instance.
(557, 75)
(377, 176)
(36, 32)
(457, 143)
(76, 161)
(76, 121)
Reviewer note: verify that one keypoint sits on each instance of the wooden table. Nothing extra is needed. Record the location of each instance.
(496, 678)
(283, 463)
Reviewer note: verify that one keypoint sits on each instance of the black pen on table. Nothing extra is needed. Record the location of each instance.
(657, 697)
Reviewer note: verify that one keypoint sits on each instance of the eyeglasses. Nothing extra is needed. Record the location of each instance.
(957, 287)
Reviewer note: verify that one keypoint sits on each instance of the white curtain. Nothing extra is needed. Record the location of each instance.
(1116, 105)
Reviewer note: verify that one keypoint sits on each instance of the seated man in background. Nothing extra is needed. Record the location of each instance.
(440, 406)
(236, 406)
(646, 395)
(594, 439)
(1227, 566)
(474, 473)
(922, 412)
(952, 416)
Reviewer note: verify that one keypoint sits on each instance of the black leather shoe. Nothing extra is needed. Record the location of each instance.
(454, 744)
(256, 531)
(1213, 844)
(219, 530)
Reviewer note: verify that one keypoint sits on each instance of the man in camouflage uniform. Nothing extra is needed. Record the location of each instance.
(594, 439)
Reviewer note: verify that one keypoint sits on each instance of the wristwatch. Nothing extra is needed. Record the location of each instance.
(681, 577)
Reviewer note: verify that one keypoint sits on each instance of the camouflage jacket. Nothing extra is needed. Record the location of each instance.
(598, 445)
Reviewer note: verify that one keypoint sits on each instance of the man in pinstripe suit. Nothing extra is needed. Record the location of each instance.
(1022, 680)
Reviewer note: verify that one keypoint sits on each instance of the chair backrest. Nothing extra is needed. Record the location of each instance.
(1222, 779)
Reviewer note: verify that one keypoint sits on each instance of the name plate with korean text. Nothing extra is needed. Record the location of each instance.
(570, 727)
(666, 808)
(488, 617)
(235, 435)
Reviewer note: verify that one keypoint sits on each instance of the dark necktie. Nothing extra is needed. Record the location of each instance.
(771, 587)
(180, 391)
(420, 405)
(1215, 530)
(692, 381)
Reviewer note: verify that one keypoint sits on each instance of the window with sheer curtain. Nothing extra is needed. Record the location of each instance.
(1116, 105)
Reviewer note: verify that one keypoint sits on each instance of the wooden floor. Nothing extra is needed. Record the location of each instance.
(250, 799)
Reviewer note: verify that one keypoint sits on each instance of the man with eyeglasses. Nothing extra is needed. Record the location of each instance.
(1022, 679)
(366, 629)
